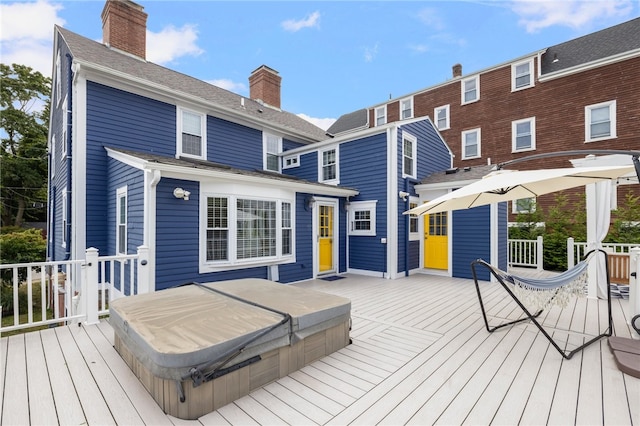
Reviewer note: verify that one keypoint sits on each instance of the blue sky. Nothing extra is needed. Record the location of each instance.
(334, 57)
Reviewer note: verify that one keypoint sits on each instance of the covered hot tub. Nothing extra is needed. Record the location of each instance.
(201, 346)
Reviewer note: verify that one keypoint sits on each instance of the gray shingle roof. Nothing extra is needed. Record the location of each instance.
(351, 121)
(457, 174)
(591, 47)
(211, 166)
(93, 52)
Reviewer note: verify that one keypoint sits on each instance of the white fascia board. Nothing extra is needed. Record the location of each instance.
(195, 174)
(591, 65)
(146, 88)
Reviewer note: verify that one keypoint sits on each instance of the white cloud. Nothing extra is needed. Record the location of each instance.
(431, 18)
(27, 33)
(172, 43)
(311, 21)
(370, 53)
(323, 123)
(229, 85)
(419, 48)
(537, 15)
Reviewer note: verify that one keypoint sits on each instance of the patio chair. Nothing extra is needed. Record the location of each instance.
(626, 351)
(542, 293)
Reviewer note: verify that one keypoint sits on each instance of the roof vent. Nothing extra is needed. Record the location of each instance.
(466, 169)
(451, 171)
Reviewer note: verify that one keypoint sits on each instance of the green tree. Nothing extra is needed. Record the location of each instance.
(24, 119)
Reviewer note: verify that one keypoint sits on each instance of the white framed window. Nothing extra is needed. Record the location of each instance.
(362, 218)
(471, 144)
(523, 205)
(64, 217)
(441, 115)
(470, 90)
(522, 75)
(65, 118)
(245, 230)
(381, 115)
(291, 162)
(406, 108)
(600, 121)
(409, 154)
(523, 134)
(414, 234)
(58, 79)
(121, 220)
(272, 147)
(53, 155)
(191, 134)
(328, 165)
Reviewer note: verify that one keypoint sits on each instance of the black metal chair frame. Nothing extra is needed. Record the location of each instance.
(532, 317)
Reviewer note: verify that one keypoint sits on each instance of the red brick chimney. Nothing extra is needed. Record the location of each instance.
(457, 70)
(124, 27)
(264, 84)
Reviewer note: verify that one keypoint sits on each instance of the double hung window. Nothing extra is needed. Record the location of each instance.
(406, 108)
(522, 75)
(600, 121)
(191, 134)
(328, 164)
(470, 144)
(409, 162)
(381, 115)
(121, 220)
(272, 147)
(523, 134)
(470, 90)
(441, 115)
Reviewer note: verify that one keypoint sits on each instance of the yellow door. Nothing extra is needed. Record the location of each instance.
(436, 243)
(325, 238)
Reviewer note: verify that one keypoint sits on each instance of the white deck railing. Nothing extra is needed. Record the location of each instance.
(72, 290)
(526, 253)
(577, 250)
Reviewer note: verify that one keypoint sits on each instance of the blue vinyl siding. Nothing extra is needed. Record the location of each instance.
(503, 235)
(363, 165)
(308, 167)
(303, 268)
(288, 145)
(120, 175)
(432, 156)
(121, 120)
(471, 241)
(233, 144)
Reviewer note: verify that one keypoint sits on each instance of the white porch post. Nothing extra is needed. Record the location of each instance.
(540, 253)
(90, 291)
(570, 253)
(143, 270)
(634, 281)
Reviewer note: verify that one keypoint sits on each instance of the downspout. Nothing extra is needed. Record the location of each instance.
(406, 228)
(69, 157)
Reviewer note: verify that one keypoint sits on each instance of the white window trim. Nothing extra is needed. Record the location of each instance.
(414, 236)
(293, 159)
(375, 115)
(65, 123)
(462, 83)
(464, 133)
(233, 192)
(53, 155)
(203, 130)
(612, 118)
(435, 117)
(362, 206)
(63, 218)
(58, 79)
(120, 193)
(531, 75)
(265, 136)
(514, 207)
(514, 124)
(335, 181)
(414, 154)
(410, 100)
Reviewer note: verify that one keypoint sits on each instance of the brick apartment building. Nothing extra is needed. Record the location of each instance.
(578, 95)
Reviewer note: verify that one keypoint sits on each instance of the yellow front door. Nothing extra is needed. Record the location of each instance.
(436, 243)
(325, 238)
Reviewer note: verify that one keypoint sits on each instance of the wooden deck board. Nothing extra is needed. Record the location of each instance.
(421, 355)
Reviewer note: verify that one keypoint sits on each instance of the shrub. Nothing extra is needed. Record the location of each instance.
(23, 246)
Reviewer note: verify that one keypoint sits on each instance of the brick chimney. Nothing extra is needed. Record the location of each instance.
(124, 27)
(264, 84)
(457, 70)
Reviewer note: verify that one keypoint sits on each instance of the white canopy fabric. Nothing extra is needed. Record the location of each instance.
(506, 185)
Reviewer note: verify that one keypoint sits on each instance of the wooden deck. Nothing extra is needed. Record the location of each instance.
(420, 355)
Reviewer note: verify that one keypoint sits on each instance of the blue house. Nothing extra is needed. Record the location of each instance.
(219, 186)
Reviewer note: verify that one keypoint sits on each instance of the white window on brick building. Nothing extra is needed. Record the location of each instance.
(441, 116)
(470, 90)
(523, 134)
(381, 115)
(600, 121)
(522, 75)
(470, 144)
(406, 108)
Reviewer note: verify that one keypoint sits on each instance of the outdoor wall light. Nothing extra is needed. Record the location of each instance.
(309, 202)
(181, 193)
(403, 195)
